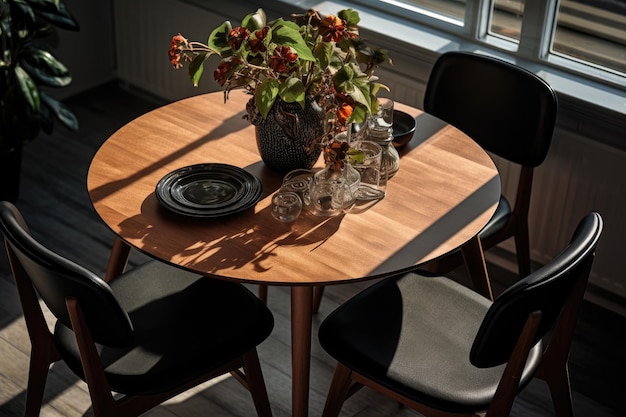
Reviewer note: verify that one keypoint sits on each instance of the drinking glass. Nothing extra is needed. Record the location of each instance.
(297, 174)
(371, 187)
(298, 181)
(286, 206)
(330, 197)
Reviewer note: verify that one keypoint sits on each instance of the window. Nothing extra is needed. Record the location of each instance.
(566, 33)
(453, 9)
(592, 31)
(506, 18)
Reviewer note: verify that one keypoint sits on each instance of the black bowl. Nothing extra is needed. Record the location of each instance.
(403, 128)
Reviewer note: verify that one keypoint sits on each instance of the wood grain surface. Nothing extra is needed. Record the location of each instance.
(445, 191)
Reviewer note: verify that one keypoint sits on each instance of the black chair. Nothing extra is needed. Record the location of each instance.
(511, 113)
(442, 349)
(150, 334)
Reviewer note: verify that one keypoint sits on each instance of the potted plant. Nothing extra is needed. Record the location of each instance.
(26, 64)
(309, 70)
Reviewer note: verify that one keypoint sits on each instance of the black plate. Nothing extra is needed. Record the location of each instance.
(208, 190)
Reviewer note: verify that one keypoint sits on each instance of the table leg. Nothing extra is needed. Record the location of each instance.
(117, 260)
(263, 292)
(476, 267)
(301, 319)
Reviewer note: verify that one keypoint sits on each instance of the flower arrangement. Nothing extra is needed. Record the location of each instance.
(315, 58)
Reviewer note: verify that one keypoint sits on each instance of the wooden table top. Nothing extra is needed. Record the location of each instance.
(446, 190)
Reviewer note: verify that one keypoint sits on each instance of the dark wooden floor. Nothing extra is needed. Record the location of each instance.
(55, 202)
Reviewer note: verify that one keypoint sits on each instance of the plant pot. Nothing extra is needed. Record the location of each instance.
(289, 138)
(10, 174)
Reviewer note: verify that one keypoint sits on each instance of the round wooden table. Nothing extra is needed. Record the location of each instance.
(446, 190)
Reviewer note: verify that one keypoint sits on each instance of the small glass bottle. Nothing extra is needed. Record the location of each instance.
(380, 131)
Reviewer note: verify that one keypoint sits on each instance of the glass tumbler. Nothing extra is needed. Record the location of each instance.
(299, 182)
(286, 206)
(369, 167)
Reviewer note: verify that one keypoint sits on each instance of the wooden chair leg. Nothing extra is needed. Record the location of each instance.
(338, 392)
(522, 249)
(263, 293)
(509, 383)
(554, 368)
(43, 351)
(37, 375)
(256, 384)
(102, 401)
(318, 293)
(561, 392)
(476, 267)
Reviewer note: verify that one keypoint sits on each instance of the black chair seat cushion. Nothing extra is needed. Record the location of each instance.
(413, 334)
(185, 326)
(499, 219)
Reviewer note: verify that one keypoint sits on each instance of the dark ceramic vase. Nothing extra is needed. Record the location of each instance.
(10, 173)
(289, 138)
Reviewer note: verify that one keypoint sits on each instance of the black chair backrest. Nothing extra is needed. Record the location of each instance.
(508, 110)
(546, 290)
(55, 278)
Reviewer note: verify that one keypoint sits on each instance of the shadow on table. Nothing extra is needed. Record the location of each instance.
(235, 241)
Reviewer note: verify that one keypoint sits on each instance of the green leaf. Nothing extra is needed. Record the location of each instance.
(265, 95)
(45, 118)
(45, 5)
(27, 88)
(355, 156)
(61, 18)
(21, 23)
(336, 63)
(362, 95)
(293, 90)
(288, 34)
(323, 52)
(255, 21)
(350, 16)
(61, 112)
(343, 79)
(218, 39)
(5, 42)
(44, 68)
(359, 114)
(375, 88)
(357, 89)
(196, 67)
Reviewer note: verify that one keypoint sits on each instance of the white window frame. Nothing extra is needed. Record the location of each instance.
(535, 38)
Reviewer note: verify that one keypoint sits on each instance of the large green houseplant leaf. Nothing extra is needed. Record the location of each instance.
(26, 65)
